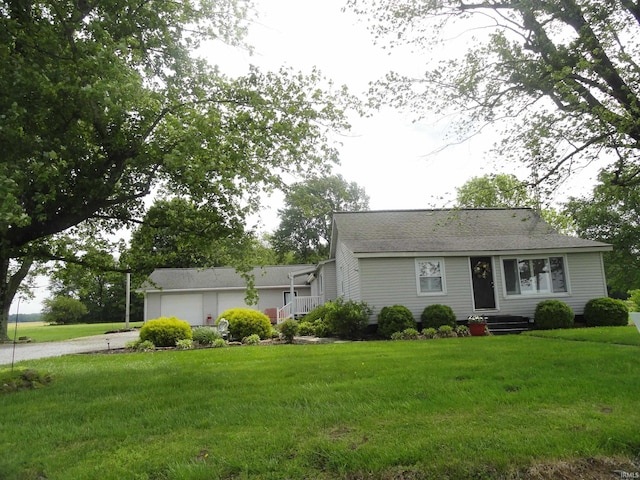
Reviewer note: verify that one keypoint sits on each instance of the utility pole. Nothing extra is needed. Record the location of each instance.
(127, 303)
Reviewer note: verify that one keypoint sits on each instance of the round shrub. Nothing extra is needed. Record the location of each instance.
(288, 329)
(606, 312)
(253, 339)
(394, 319)
(165, 331)
(552, 314)
(244, 322)
(437, 315)
(306, 329)
(347, 319)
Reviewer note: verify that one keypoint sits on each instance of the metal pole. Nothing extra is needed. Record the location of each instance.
(127, 308)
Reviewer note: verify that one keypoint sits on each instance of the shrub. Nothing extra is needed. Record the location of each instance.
(552, 314)
(394, 319)
(446, 331)
(253, 339)
(288, 329)
(244, 322)
(436, 315)
(634, 300)
(184, 344)
(315, 315)
(406, 334)
(606, 312)
(140, 346)
(165, 331)
(463, 331)
(429, 332)
(306, 328)
(219, 343)
(205, 335)
(347, 319)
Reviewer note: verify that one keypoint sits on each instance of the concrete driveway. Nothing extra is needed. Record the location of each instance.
(33, 351)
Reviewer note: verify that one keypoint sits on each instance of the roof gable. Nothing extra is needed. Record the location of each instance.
(449, 230)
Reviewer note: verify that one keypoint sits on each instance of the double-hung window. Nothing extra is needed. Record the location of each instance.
(430, 276)
(534, 275)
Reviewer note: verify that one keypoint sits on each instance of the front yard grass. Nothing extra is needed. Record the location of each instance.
(460, 408)
(617, 335)
(55, 333)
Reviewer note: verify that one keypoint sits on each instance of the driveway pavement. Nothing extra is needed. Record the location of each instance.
(33, 351)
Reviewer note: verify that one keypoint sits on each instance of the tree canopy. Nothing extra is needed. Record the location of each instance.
(103, 103)
(612, 215)
(560, 78)
(497, 191)
(305, 221)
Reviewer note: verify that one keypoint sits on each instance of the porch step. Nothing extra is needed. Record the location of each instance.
(508, 324)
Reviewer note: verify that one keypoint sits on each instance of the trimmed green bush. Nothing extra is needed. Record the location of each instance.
(406, 334)
(606, 312)
(429, 333)
(165, 331)
(306, 328)
(552, 314)
(446, 331)
(205, 335)
(394, 319)
(347, 319)
(288, 329)
(244, 322)
(253, 339)
(437, 315)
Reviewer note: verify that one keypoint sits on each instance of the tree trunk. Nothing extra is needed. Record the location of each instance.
(9, 284)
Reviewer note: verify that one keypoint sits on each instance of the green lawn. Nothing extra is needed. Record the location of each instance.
(54, 333)
(617, 335)
(458, 408)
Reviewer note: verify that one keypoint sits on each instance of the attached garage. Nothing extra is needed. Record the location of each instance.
(194, 295)
(188, 307)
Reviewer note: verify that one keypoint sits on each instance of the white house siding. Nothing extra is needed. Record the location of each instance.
(347, 274)
(328, 291)
(585, 273)
(195, 307)
(392, 281)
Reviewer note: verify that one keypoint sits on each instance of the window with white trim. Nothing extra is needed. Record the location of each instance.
(430, 276)
(534, 275)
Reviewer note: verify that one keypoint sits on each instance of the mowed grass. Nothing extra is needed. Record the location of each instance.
(617, 335)
(455, 408)
(52, 333)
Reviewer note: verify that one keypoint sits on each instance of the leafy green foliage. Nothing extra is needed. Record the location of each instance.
(612, 214)
(606, 312)
(184, 344)
(253, 339)
(494, 191)
(446, 331)
(634, 299)
(429, 332)
(347, 318)
(244, 322)
(406, 334)
(105, 103)
(165, 331)
(205, 335)
(63, 310)
(305, 225)
(395, 318)
(436, 315)
(462, 331)
(551, 314)
(306, 328)
(289, 329)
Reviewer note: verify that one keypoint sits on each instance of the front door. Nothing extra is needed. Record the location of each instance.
(483, 287)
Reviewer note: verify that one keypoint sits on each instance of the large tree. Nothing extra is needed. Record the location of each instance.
(610, 214)
(497, 191)
(305, 221)
(560, 78)
(102, 103)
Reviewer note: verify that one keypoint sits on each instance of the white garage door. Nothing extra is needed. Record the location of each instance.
(227, 300)
(185, 307)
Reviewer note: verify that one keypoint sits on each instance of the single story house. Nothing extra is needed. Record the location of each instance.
(493, 262)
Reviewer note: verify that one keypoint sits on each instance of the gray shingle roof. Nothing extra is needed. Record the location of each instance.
(450, 230)
(222, 277)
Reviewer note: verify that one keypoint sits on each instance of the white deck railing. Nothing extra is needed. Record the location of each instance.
(300, 306)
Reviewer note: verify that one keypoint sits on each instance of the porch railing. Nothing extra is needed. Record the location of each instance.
(298, 307)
